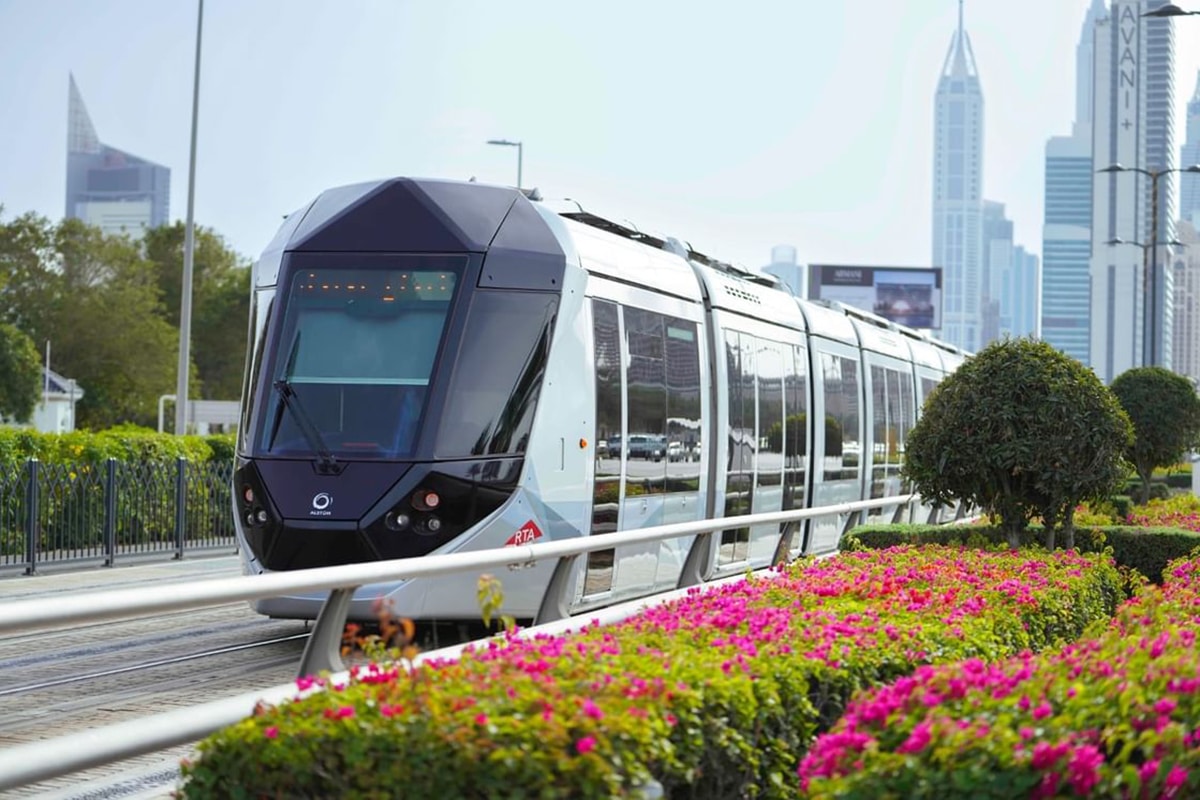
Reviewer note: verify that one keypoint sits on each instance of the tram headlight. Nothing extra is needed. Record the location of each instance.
(432, 525)
(397, 520)
(261, 516)
(250, 519)
(248, 494)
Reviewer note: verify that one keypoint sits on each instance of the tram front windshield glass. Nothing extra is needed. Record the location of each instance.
(354, 357)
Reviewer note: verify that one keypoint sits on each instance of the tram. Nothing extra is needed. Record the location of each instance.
(440, 366)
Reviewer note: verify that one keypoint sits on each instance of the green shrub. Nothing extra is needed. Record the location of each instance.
(1145, 549)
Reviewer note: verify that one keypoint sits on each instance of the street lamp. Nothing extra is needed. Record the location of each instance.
(1150, 258)
(189, 247)
(507, 143)
(1169, 10)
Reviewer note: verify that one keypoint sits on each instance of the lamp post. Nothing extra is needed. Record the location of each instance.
(1150, 355)
(189, 247)
(518, 145)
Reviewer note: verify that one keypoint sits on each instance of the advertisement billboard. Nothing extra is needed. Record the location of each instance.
(909, 296)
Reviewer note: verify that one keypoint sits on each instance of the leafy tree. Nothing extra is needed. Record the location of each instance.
(95, 298)
(1165, 411)
(20, 374)
(1019, 430)
(220, 304)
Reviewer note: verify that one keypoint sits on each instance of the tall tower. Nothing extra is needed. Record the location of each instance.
(1133, 125)
(958, 191)
(1189, 154)
(1067, 220)
(114, 190)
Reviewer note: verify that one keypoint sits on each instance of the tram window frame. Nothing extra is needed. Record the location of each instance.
(834, 367)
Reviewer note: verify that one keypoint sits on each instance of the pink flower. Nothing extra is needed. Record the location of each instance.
(917, 740)
(590, 709)
(481, 719)
(586, 745)
(271, 732)
(1043, 710)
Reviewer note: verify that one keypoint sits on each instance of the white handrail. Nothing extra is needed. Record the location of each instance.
(37, 761)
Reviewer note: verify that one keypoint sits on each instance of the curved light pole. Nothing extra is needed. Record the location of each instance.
(1150, 259)
(1169, 10)
(519, 146)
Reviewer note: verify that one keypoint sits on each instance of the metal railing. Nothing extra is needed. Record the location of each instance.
(29, 763)
(98, 513)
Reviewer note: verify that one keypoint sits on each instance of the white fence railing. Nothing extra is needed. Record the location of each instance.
(37, 761)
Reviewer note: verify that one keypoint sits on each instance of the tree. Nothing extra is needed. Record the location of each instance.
(1020, 430)
(20, 374)
(220, 304)
(1165, 411)
(95, 298)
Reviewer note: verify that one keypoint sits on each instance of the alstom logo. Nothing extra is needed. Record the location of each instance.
(320, 505)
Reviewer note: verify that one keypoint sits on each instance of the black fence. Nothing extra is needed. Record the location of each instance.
(98, 514)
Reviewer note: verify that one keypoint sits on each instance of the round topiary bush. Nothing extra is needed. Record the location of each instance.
(1020, 430)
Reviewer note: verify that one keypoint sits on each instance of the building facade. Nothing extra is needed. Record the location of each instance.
(1133, 125)
(1189, 154)
(785, 267)
(1186, 266)
(118, 192)
(958, 193)
(1065, 301)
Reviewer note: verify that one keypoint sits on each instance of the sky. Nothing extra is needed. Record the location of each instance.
(734, 126)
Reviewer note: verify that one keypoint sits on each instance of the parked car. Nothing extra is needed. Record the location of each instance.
(646, 446)
(676, 452)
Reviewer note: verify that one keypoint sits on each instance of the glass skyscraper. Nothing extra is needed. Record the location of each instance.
(958, 193)
(118, 192)
(1067, 221)
(1189, 154)
(1133, 125)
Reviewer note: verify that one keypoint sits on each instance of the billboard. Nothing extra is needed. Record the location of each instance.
(909, 296)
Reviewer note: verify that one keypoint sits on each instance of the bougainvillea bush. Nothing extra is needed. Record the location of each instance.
(1115, 715)
(716, 695)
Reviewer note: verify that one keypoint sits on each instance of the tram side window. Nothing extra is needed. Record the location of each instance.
(795, 397)
(646, 388)
(769, 361)
(739, 481)
(888, 417)
(684, 431)
(927, 387)
(843, 449)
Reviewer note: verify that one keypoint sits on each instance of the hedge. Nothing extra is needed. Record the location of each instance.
(1145, 549)
(129, 443)
(715, 695)
(1113, 716)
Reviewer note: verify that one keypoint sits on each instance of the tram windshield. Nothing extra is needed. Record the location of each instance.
(354, 357)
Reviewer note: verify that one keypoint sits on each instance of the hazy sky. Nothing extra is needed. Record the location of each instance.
(732, 125)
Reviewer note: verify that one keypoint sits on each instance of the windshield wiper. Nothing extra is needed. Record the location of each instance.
(326, 463)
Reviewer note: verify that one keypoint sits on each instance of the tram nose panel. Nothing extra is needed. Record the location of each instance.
(300, 493)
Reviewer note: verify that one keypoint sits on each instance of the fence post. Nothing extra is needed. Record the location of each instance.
(31, 517)
(110, 512)
(180, 504)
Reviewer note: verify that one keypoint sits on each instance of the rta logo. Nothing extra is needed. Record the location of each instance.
(321, 503)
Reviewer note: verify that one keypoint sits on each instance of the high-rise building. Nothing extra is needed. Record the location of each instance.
(1021, 296)
(106, 187)
(958, 192)
(997, 260)
(1186, 266)
(1067, 220)
(1189, 154)
(1133, 125)
(784, 267)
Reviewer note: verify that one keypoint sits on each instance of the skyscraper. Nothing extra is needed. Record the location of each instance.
(1067, 220)
(958, 192)
(1186, 265)
(997, 261)
(1133, 125)
(1189, 154)
(106, 187)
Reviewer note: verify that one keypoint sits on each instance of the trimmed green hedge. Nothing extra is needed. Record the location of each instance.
(1147, 550)
(124, 444)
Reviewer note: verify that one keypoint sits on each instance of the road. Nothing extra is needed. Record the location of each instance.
(74, 678)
